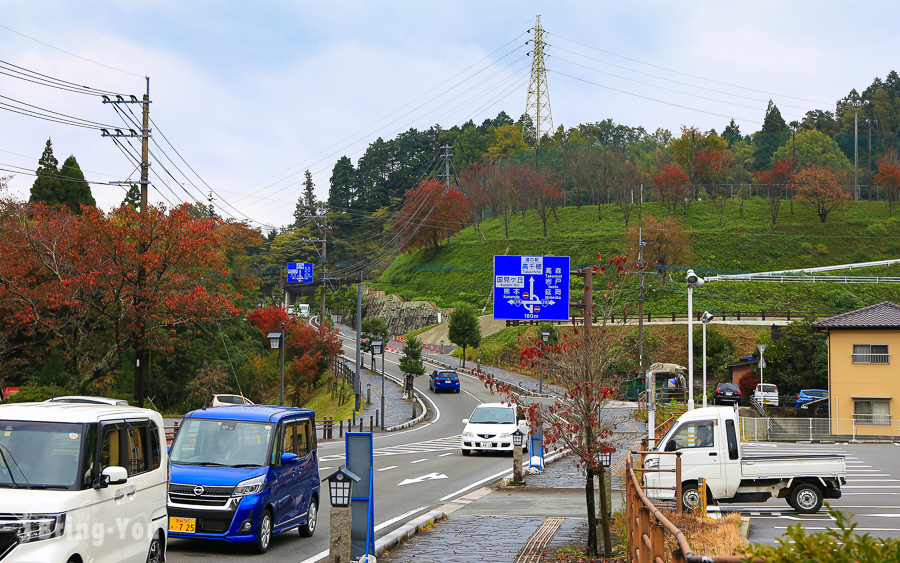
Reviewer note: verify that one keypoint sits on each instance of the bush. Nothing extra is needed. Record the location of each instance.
(838, 544)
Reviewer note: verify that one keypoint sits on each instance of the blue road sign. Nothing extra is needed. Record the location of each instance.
(300, 272)
(531, 288)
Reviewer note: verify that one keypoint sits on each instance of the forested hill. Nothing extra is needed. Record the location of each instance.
(861, 231)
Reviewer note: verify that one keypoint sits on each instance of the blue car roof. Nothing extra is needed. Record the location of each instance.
(252, 413)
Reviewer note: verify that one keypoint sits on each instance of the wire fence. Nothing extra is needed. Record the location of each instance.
(859, 427)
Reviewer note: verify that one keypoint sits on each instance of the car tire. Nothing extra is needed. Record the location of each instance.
(806, 498)
(457, 390)
(467, 452)
(154, 553)
(308, 529)
(690, 496)
(264, 534)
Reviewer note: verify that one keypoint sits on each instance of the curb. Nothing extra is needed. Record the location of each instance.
(406, 531)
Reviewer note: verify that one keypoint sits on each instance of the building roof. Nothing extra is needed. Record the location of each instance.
(879, 316)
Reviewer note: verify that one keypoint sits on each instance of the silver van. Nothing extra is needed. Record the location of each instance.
(766, 394)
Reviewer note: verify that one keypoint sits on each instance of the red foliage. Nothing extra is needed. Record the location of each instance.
(268, 319)
(672, 184)
(431, 212)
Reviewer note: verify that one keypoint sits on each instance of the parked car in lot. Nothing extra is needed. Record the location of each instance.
(710, 447)
(491, 426)
(244, 473)
(444, 380)
(727, 394)
(809, 395)
(82, 482)
(766, 394)
(225, 400)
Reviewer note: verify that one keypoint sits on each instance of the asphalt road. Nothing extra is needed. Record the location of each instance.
(871, 496)
(416, 470)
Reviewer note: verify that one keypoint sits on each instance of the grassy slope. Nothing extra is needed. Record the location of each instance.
(861, 231)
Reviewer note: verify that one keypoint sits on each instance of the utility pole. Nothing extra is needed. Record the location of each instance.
(140, 351)
(323, 230)
(641, 244)
(446, 155)
(537, 104)
(856, 105)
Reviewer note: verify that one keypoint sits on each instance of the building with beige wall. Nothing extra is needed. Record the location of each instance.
(863, 382)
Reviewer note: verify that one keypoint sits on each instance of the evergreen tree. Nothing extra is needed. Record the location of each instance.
(133, 197)
(732, 133)
(306, 203)
(773, 134)
(46, 185)
(74, 191)
(464, 330)
(342, 193)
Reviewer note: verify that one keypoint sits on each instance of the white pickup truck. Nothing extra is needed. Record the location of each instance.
(710, 448)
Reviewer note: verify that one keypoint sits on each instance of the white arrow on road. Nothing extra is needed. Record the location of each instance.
(429, 477)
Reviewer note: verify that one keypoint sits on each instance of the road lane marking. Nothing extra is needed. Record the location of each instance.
(388, 467)
(429, 477)
(419, 460)
(446, 454)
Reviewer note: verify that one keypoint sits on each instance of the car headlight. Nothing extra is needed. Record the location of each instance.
(468, 434)
(34, 527)
(651, 463)
(505, 435)
(250, 486)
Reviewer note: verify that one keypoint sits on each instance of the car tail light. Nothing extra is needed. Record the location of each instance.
(739, 391)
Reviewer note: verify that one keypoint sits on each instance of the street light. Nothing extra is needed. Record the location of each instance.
(378, 348)
(340, 487)
(442, 346)
(706, 317)
(545, 336)
(276, 342)
(692, 280)
(477, 362)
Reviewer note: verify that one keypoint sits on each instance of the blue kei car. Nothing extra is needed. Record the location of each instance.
(809, 395)
(444, 380)
(243, 474)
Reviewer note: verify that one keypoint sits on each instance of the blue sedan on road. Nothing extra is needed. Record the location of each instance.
(809, 395)
(444, 380)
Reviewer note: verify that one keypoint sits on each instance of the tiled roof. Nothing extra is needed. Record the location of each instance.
(881, 315)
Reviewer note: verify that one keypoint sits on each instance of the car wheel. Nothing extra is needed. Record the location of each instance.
(154, 554)
(264, 535)
(806, 498)
(308, 529)
(690, 497)
(467, 452)
(457, 390)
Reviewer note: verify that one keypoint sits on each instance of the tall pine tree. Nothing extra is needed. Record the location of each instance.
(46, 185)
(74, 191)
(306, 204)
(773, 134)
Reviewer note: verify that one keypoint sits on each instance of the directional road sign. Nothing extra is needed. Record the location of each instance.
(300, 272)
(531, 288)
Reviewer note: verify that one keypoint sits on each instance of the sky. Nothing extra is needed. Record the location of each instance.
(246, 96)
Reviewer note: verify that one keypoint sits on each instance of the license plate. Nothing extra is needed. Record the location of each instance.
(487, 444)
(186, 525)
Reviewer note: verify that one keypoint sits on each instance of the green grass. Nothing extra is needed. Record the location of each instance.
(323, 405)
(748, 242)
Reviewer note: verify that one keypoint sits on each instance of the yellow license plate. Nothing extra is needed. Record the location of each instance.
(187, 525)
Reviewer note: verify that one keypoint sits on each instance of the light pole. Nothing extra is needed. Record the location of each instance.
(442, 346)
(378, 348)
(693, 280)
(276, 342)
(545, 336)
(856, 105)
(477, 362)
(340, 486)
(518, 438)
(706, 317)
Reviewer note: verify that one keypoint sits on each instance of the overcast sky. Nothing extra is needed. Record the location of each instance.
(251, 94)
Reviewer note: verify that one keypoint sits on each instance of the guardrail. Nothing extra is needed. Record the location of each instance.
(782, 429)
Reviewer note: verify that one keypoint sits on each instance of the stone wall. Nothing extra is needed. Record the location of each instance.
(400, 316)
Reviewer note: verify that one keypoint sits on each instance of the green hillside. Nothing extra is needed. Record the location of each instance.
(861, 231)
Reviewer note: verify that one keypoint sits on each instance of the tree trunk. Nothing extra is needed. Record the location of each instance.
(591, 514)
(604, 516)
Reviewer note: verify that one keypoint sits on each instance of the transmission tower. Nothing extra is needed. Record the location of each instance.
(537, 106)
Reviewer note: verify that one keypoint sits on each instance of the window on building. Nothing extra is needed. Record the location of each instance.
(871, 354)
(872, 411)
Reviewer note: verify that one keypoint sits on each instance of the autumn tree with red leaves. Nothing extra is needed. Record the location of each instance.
(473, 182)
(539, 191)
(776, 183)
(888, 177)
(71, 282)
(580, 417)
(431, 212)
(821, 189)
(712, 166)
(672, 186)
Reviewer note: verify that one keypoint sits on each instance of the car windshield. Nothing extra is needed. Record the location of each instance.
(815, 392)
(222, 442)
(493, 415)
(39, 455)
(727, 387)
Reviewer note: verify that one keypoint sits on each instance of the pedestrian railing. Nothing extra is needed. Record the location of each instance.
(781, 429)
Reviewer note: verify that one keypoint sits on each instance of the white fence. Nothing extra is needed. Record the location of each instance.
(817, 429)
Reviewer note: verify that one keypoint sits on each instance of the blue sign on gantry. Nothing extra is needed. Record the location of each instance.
(300, 272)
(531, 288)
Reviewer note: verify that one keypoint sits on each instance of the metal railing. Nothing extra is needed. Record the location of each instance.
(877, 359)
(859, 427)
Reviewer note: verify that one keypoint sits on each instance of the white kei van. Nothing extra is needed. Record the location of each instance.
(766, 394)
(82, 482)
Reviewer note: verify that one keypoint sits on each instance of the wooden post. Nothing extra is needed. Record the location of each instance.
(678, 502)
(644, 555)
(658, 541)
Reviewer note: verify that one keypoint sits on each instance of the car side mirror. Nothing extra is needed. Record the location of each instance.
(465, 421)
(113, 475)
(671, 446)
(288, 458)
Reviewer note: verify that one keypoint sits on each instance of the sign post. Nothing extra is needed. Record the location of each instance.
(534, 288)
(762, 361)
